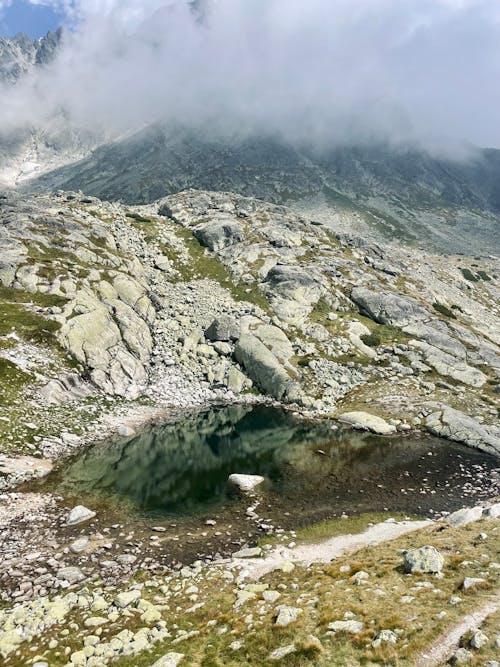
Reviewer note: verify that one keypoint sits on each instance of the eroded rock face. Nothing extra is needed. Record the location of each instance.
(388, 307)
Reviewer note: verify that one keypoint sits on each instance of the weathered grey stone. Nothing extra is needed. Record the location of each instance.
(293, 291)
(126, 598)
(249, 552)
(350, 627)
(388, 307)
(223, 328)
(425, 559)
(454, 425)
(71, 574)
(286, 615)
(282, 652)
(478, 640)
(367, 422)
(472, 582)
(464, 516)
(79, 514)
(385, 637)
(461, 657)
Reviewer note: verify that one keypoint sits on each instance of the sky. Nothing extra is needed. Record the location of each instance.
(32, 18)
(328, 72)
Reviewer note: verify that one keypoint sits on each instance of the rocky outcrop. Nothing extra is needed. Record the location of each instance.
(293, 291)
(454, 425)
(388, 307)
(219, 233)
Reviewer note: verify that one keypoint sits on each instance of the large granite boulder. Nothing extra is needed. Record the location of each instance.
(426, 560)
(293, 291)
(219, 233)
(388, 307)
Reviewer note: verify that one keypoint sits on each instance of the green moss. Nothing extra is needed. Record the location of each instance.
(444, 310)
(137, 217)
(371, 339)
(484, 276)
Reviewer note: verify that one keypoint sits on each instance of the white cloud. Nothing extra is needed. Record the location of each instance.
(348, 70)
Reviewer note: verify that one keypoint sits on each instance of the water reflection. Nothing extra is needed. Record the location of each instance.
(182, 468)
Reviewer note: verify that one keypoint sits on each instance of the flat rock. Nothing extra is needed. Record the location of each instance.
(388, 307)
(282, 652)
(126, 598)
(367, 422)
(71, 574)
(464, 516)
(250, 552)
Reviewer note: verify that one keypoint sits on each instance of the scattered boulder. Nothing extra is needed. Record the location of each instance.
(286, 615)
(223, 328)
(79, 514)
(464, 516)
(126, 598)
(478, 640)
(385, 637)
(461, 657)
(350, 627)
(79, 545)
(423, 560)
(71, 574)
(472, 582)
(218, 234)
(245, 482)
(282, 652)
(367, 422)
(388, 307)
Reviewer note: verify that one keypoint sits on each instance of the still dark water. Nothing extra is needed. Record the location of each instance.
(181, 469)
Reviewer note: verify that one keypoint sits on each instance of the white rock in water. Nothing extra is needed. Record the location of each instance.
(79, 514)
(367, 422)
(245, 482)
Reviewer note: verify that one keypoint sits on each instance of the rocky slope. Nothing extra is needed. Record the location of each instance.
(389, 192)
(207, 296)
(19, 55)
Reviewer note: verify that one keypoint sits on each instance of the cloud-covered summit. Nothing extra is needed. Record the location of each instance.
(419, 71)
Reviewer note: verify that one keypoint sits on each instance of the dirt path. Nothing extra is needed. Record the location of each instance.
(326, 551)
(439, 652)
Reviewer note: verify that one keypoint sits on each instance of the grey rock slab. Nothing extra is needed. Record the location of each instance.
(282, 652)
(250, 552)
(388, 307)
(223, 328)
(447, 364)
(459, 427)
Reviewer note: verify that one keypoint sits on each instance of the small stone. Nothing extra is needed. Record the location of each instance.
(286, 615)
(250, 552)
(384, 637)
(351, 627)
(235, 646)
(71, 574)
(79, 545)
(282, 652)
(126, 598)
(472, 582)
(271, 596)
(79, 514)
(478, 640)
(461, 657)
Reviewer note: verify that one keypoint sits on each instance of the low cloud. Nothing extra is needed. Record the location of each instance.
(419, 71)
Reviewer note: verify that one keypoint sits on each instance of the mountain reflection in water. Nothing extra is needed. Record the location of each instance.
(179, 469)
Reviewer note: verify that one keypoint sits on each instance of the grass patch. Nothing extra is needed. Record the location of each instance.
(137, 217)
(468, 275)
(17, 314)
(484, 276)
